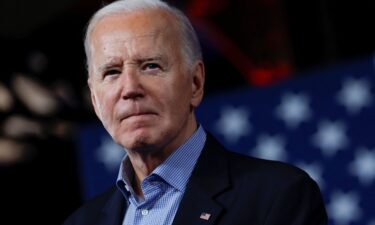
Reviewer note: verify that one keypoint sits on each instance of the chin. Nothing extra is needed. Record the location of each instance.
(138, 142)
(141, 139)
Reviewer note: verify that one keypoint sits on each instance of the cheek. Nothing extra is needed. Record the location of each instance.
(179, 101)
(183, 94)
(104, 105)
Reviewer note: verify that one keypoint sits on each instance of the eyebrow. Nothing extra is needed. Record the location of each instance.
(109, 64)
(148, 59)
(115, 62)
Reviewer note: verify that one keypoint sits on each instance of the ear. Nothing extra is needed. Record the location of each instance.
(197, 83)
(94, 100)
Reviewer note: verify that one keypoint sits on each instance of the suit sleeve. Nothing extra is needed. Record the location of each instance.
(298, 203)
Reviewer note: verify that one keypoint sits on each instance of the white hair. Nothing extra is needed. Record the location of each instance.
(190, 48)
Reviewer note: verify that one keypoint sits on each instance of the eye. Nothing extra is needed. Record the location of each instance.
(151, 66)
(112, 72)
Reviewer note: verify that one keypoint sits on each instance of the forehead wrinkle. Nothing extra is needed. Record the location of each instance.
(161, 32)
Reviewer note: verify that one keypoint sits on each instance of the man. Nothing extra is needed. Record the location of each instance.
(146, 77)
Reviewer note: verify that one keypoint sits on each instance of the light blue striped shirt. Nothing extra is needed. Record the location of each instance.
(164, 187)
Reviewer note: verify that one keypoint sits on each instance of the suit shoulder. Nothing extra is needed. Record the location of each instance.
(256, 169)
(265, 169)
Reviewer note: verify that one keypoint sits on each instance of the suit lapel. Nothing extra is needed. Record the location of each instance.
(114, 210)
(209, 179)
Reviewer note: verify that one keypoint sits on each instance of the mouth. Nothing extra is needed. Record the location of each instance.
(137, 115)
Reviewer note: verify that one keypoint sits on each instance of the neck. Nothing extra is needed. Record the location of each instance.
(143, 166)
(144, 162)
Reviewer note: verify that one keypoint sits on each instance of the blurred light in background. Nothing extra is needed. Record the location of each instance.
(13, 152)
(17, 126)
(6, 99)
(37, 98)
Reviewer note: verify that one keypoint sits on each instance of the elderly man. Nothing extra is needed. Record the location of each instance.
(146, 77)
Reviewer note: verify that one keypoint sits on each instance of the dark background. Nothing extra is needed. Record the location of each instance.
(245, 43)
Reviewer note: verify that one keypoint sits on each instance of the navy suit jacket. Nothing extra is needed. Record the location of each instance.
(233, 189)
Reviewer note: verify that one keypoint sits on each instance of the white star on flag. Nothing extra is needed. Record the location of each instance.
(355, 94)
(330, 137)
(233, 123)
(270, 147)
(110, 153)
(344, 208)
(294, 109)
(363, 166)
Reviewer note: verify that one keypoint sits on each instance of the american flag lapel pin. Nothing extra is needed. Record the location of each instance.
(205, 216)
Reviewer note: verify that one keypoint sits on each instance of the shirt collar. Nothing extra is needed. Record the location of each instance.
(175, 170)
(125, 177)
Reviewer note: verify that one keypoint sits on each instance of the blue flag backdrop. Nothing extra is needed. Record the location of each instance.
(323, 122)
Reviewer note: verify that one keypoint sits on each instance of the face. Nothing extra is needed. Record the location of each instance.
(140, 88)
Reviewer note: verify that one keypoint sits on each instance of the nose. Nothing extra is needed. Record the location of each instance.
(131, 85)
